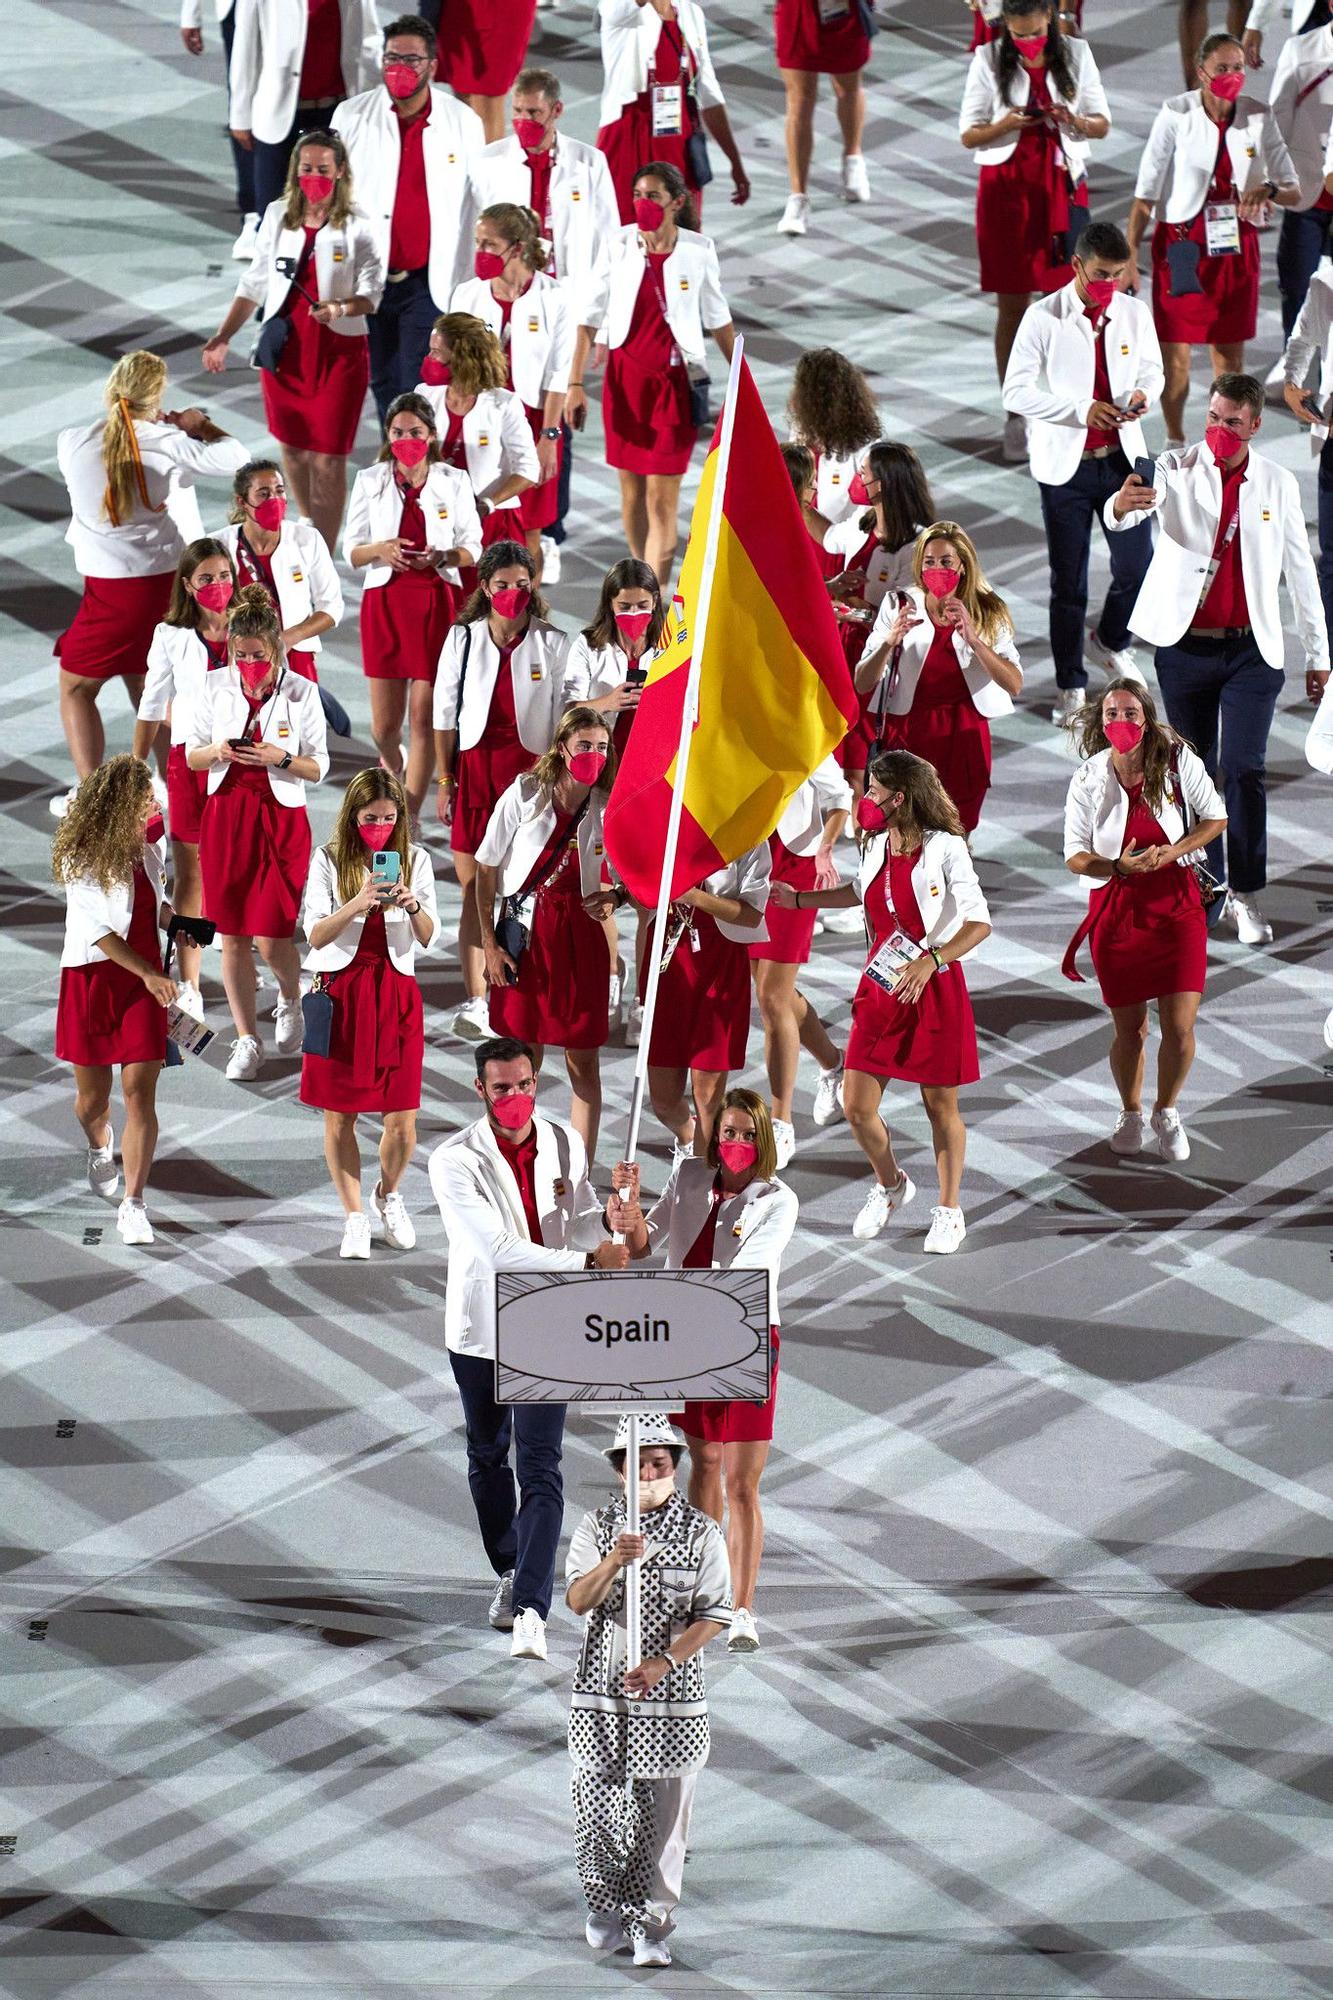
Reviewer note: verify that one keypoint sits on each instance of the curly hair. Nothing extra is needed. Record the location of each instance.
(500, 555)
(831, 407)
(100, 839)
(347, 851)
(927, 807)
(476, 358)
(576, 717)
(1159, 738)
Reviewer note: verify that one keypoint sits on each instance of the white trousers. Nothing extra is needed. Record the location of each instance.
(630, 1845)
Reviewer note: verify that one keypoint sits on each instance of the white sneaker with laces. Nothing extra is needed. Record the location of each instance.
(681, 1149)
(1172, 1141)
(1252, 926)
(399, 1229)
(472, 1022)
(501, 1613)
(616, 995)
(879, 1206)
(1128, 1134)
(1067, 703)
(742, 1637)
(103, 1173)
(946, 1232)
(550, 560)
(634, 1025)
(1014, 442)
(243, 249)
(784, 1134)
(247, 1056)
(290, 1031)
(828, 1097)
(845, 923)
(190, 1000)
(650, 1951)
(62, 802)
(1120, 662)
(356, 1237)
(855, 179)
(132, 1224)
(794, 215)
(529, 1640)
(604, 1933)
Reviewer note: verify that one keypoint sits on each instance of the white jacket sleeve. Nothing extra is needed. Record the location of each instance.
(95, 913)
(562, 342)
(756, 868)
(591, 309)
(657, 1219)
(1155, 165)
(368, 272)
(1078, 815)
(243, 70)
(1025, 391)
(1319, 742)
(253, 282)
(713, 308)
(518, 453)
(605, 210)
(444, 712)
(326, 593)
(761, 1245)
(1091, 99)
(466, 1209)
(356, 529)
(200, 733)
(1277, 154)
(978, 93)
(1301, 578)
(961, 876)
(1200, 793)
(159, 682)
(578, 672)
(493, 849)
(321, 890)
(1309, 334)
(423, 890)
(831, 788)
(467, 521)
(314, 729)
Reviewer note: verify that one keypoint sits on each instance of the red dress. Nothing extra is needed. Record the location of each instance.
(113, 628)
(105, 1013)
(187, 789)
(646, 394)
(490, 766)
(562, 997)
(836, 47)
(790, 932)
(943, 726)
(1226, 311)
(628, 142)
(483, 43)
(703, 1001)
(727, 1423)
(378, 1039)
(405, 621)
(933, 1042)
(254, 856)
(537, 505)
(1023, 204)
(853, 753)
(313, 402)
(1150, 936)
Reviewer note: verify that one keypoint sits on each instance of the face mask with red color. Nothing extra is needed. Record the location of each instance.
(436, 374)
(529, 134)
(649, 214)
(1100, 292)
(737, 1155)
(400, 79)
(1222, 443)
(253, 674)
(870, 815)
(513, 1112)
(1123, 736)
(632, 625)
(587, 766)
(376, 833)
(858, 492)
(1029, 46)
(270, 514)
(316, 187)
(940, 582)
(154, 828)
(489, 264)
(213, 596)
(409, 450)
(510, 603)
(1228, 86)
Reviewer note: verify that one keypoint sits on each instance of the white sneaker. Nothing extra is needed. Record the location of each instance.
(616, 995)
(946, 1232)
(650, 1951)
(103, 1173)
(784, 1132)
(1328, 1031)
(742, 1638)
(62, 802)
(356, 1237)
(879, 1206)
(1252, 926)
(1014, 442)
(529, 1641)
(1276, 379)
(1128, 1134)
(681, 1149)
(190, 1000)
(472, 1022)
(603, 1933)
(1120, 664)
(501, 1613)
(845, 923)
(828, 1097)
(1067, 704)
(132, 1222)
(1175, 444)
(855, 179)
(794, 215)
(399, 1230)
(247, 1056)
(1172, 1142)
(290, 1031)
(634, 1025)
(550, 560)
(243, 249)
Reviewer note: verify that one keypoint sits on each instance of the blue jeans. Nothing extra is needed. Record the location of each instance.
(1302, 245)
(270, 161)
(399, 335)
(523, 1537)
(243, 162)
(1220, 695)
(1068, 512)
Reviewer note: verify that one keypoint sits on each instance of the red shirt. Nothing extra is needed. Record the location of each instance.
(409, 231)
(1225, 603)
(502, 716)
(539, 200)
(520, 1155)
(322, 63)
(453, 451)
(699, 1256)
(1101, 380)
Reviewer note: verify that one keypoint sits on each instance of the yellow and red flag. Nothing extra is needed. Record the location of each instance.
(775, 692)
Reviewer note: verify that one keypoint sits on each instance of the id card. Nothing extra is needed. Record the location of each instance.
(833, 10)
(1221, 229)
(190, 1035)
(897, 951)
(668, 110)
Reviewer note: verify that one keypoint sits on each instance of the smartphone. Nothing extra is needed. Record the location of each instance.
(1146, 470)
(636, 676)
(240, 743)
(385, 869)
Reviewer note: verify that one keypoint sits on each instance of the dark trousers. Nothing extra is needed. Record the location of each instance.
(1301, 246)
(243, 162)
(1325, 563)
(399, 335)
(562, 489)
(1068, 512)
(523, 1537)
(270, 161)
(1220, 695)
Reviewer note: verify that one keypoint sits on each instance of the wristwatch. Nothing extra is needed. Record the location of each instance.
(285, 761)
(551, 431)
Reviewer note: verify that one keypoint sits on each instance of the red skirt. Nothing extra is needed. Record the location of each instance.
(481, 774)
(1014, 226)
(254, 857)
(114, 625)
(539, 505)
(378, 1041)
(1150, 937)
(105, 1014)
(703, 1003)
(628, 144)
(790, 932)
(956, 740)
(832, 48)
(403, 626)
(734, 1423)
(314, 401)
(1226, 311)
(564, 977)
(483, 43)
(304, 665)
(646, 417)
(933, 1042)
(186, 793)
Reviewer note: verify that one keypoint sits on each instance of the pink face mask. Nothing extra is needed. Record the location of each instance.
(587, 766)
(510, 603)
(401, 80)
(1029, 46)
(436, 374)
(488, 264)
(513, 1112)
(409, 450)
(154, 828)
(870, 815)
(737, 1155)
(213, 596)
(1100, 292)
(1123, 736)
(633, 624)
(940, 582)
(858, 492)
(529, 134)
(253, 674)
(270, 515)
(1221, 442)
(1228, 86)
(649, 214)
(376, 833)
(316, 187)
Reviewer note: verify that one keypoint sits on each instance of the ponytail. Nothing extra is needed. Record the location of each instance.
(133, 390)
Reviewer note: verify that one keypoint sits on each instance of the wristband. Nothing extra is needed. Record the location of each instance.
(445, 778)
(939, 962)
(796, 899)
(413, 909)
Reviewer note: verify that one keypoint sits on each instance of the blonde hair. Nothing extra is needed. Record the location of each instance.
(100, 839)
(578, 716)
(251, 615)
(346, 849)
(183, 608)
(133, 391)
(522, 227)
(476, 358)
(927, 807)
(984, 606)
(341, 202)
(749, 1101)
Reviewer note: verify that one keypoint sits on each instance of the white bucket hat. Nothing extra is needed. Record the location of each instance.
(654, 1428)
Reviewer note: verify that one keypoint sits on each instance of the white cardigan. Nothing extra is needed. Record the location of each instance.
(322, 898)
(944, 883)
(753, 1228)
(1302, 73)
(582, 197)
(825, 791)
(303, 574)
(347, 265)
(370, 129)
(541, 332)
(1178, 160)
(537, 665)
(523, 821)
(984, 105)
(177, 664)
(497, 440)
(152, 540)
(292, 717)
(1097, 807)
(92, 912)
(691, 285)
(630, 35)
(375, 510)
(894, 694)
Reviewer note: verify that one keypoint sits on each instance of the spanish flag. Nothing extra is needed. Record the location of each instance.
(775, 695)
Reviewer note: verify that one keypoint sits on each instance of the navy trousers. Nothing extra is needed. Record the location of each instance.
(1220, 695)
(243, 162)
(1068, 512)
(519, 1533)
(1302, 245)
(399, 335)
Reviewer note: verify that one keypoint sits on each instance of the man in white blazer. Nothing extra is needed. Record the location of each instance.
(192, 34)
(1084, 366)
(1302, 106)
(1231, 527)
(411, 145)
(514, 1193)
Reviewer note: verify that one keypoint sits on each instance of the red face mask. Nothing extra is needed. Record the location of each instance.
(1029, 46)
(401, 80)
(649, 214)
(253, 674)
(488, 264)
(870, 816)
(270, 515)
(513, 1112)
(1228, 86)
(1123, 736)
(587, 766)
(376, 833)
(940, 582)
(1100, 292)
(510, 603)
(737, 1155)
(529, 134)
(633, 624)
(213, 596)
(409, 450)
(316, 187)
(1221, 442)
(858, 492)
(154, 828)
(436, 374)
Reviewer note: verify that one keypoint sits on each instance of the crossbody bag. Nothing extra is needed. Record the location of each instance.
(511, 931)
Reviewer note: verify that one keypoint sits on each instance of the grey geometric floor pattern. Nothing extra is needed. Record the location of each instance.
(1042, 1708)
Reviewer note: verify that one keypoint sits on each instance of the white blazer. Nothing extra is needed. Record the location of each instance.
(347, 265)
(893, 694)
(322, 898)
(746, 878)
(825, 791)
(592, 671)
(944, 883)
(831, 478)
(177, 665)
(1265, 14)
(92, 912)
(1319, 741)
(1097, 807)
(541, 332)
(1274, 545)
(1311, 335)
(375, 509)
(753, 1227)
(497, 439)
(151, 540)
(537, 666)
(984, 105)
(629, 42)
(192, 12)
(1049, 379)
(584, 209)
(453, 137)
(887, 569)
(487, 1229)
(1177, 164)
(520, 826)
(1305, 72)
(268, 49)
(304, 574)
(292, 716)
(691, 283)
